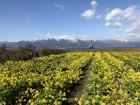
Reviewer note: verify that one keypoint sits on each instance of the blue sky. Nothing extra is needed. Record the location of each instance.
(100, 19)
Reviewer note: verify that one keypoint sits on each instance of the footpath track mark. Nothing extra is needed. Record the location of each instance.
(78, 89)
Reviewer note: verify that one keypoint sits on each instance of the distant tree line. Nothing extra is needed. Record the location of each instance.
(26, 52)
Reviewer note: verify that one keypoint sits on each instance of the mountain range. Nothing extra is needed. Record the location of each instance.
(73, 44)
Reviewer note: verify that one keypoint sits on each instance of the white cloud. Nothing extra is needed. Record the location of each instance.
(135, 29)
(93, 4)
(129, 38)
(60, 6)
(113, 18)
(125, 20)
(90, 13)
(130, 14)
(98, 17)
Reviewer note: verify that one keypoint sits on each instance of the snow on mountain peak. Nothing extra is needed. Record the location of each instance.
(72, 38)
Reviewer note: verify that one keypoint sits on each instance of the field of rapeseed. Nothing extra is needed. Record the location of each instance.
(114, 79)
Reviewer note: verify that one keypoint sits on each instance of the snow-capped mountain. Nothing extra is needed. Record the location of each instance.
(73, 43)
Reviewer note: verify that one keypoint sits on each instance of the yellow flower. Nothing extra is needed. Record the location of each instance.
(79, 102)
(43, 100)
(102, 103)
(32, 103)
(87, 102)
(93, 101)
(57, 103)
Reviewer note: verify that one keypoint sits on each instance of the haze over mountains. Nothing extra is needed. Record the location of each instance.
(71, 43)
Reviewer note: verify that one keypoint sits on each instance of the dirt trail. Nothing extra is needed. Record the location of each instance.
(78, 89)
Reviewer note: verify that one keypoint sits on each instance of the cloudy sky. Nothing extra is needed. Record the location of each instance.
(100, 19)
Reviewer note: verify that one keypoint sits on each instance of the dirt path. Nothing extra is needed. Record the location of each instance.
(78, 89)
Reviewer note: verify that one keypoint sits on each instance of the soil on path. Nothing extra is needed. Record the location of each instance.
(78, 89)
